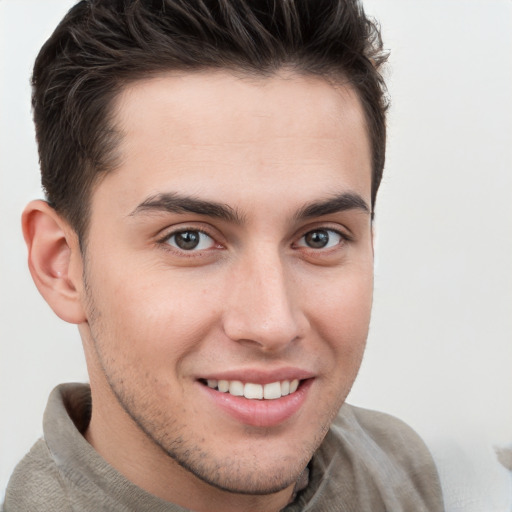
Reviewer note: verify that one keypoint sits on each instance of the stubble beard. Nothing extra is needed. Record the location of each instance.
(229, 473)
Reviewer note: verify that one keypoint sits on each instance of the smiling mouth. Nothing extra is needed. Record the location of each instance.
(252, 391)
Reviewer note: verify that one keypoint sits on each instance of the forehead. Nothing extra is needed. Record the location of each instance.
(204, 131)
(190, 97)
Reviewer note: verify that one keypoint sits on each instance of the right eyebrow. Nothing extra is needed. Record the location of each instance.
(176, 203)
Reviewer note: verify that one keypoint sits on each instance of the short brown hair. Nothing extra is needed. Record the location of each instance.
(101, 45)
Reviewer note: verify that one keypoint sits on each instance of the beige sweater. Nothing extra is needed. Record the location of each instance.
(369, 461)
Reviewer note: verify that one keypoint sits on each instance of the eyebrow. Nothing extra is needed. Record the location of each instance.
(176, 203)
(338, 203)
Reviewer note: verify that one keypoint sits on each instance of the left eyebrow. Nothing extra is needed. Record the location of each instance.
(336, 204)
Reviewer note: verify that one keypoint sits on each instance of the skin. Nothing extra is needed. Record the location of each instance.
(253, 299)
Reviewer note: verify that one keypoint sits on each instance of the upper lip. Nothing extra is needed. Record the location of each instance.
(258, 376)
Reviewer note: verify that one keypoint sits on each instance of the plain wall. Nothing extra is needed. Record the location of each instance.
(439, 354)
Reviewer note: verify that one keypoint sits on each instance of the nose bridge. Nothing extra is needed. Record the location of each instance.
(262, 306)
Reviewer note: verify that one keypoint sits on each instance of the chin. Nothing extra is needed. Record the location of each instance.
(244, 477)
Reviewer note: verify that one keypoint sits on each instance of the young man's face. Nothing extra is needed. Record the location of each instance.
(232, 248)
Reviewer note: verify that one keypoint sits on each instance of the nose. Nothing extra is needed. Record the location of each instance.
(263, 306)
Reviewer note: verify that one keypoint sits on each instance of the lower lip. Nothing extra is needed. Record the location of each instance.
(260, 413)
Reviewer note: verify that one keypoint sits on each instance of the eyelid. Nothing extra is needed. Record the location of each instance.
(163, 235)
(204, 239)
(337, 233)
(343, 231)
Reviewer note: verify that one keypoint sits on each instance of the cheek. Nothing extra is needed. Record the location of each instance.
(343, 313)
(150, 320)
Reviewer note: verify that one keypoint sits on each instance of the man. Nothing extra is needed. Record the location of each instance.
(211, 170)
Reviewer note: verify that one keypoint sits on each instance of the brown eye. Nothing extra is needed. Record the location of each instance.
(190, 240)
(320, 239)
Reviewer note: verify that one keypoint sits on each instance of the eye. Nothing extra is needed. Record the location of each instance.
(320, 239)
(190, 240)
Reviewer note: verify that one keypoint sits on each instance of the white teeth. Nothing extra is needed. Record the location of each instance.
(236, 388)
(254, 391)
(270, 391)
(223, 386)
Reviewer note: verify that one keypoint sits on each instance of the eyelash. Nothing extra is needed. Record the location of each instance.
(344, 238)
(164, 241)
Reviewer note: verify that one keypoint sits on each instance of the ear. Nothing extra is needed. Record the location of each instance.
(54, 260)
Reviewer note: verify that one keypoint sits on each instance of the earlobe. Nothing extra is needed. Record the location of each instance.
(54, 260)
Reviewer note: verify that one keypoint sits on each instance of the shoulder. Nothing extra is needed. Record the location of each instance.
(382, 462)
(386, 441)
(36, 475)
(389, 433)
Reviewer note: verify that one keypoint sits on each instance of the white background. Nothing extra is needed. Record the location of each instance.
(440, 349)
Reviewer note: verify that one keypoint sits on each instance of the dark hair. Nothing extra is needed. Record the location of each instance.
(102, 45)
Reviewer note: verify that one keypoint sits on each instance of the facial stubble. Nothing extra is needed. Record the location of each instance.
(232, 474)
